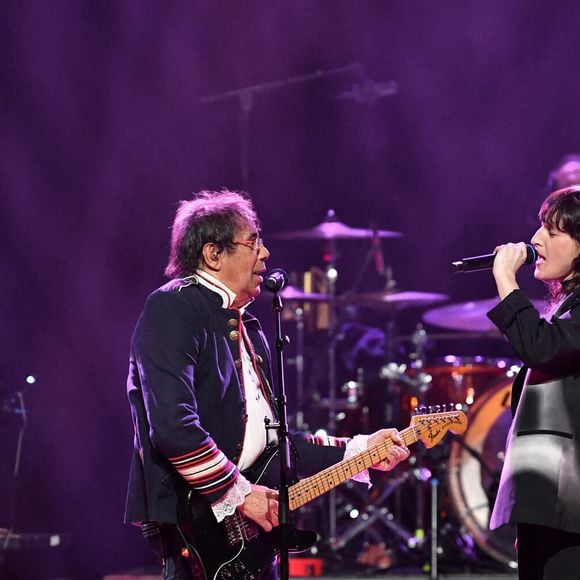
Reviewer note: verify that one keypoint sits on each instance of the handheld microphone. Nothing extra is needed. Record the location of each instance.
(485, 262)
(276, 280)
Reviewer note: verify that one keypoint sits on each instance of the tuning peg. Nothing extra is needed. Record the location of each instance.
(437, 408)
(421, 410)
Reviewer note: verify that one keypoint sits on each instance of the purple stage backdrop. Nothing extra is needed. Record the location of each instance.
(111, 112)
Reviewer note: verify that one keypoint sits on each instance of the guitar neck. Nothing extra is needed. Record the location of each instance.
(314, 486)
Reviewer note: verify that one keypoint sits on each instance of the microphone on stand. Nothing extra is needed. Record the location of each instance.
(485, 262)
(276, 280)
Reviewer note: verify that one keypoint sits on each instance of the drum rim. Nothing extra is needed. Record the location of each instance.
(457, 494)
(502, 363)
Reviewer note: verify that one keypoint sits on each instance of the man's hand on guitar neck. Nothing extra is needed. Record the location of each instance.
(261, 506)
(397, 452)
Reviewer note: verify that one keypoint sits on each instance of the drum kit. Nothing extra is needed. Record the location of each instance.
(385, 393)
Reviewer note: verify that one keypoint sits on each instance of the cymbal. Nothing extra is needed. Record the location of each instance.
(443, 336)
(468, 316)
(337, 405)
(293, 293)
(334, 230)
(396, 300)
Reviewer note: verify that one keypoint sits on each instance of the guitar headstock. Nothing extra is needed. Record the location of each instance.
(431, 427)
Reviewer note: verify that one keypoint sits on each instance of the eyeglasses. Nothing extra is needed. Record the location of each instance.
(254, 244)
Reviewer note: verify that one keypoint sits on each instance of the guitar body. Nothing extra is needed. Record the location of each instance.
(239, 549)
(236, 548)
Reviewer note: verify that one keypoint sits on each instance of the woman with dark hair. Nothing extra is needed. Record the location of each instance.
(540, 481)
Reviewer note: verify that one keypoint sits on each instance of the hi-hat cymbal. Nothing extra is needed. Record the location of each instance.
(390, 300)
(467, 316)
(293, 293)
(333, 230)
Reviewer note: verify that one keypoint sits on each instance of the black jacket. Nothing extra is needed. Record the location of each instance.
(186, 394)
(540, 480)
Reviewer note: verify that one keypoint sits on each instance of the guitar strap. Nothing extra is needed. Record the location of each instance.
(266, 469)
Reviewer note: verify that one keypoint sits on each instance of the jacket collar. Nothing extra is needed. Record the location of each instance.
(210, 282)
(569, 302)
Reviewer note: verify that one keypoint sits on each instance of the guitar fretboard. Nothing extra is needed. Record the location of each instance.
(429, 428)
(312, 487)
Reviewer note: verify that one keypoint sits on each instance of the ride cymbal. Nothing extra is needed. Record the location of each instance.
(333, 230)
(396, 300)
(467, 316)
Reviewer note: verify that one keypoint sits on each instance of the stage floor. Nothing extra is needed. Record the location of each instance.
(390, 575)
(386, 575)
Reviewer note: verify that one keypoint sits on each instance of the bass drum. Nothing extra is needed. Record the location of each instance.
(475, 462)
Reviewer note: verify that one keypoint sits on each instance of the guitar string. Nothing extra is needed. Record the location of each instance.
(322, 480)
(306, 490)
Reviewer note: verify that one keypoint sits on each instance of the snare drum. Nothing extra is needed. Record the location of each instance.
(475, 463)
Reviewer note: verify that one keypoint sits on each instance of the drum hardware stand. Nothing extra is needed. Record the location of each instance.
(423, 473)
(298, 362)
(434, 528)
(375, 251)
(392, 409)
(375, 513)
(300, 367)
(378, 513)
(14, 404)
(331, 274)
(419, 385)
(356, 396)
(331, 277)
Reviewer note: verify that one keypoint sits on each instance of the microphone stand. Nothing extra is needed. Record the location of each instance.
(282, 428)
(13, 404)
(246, 96)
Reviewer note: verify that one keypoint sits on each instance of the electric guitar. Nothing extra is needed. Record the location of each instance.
(239, 549)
